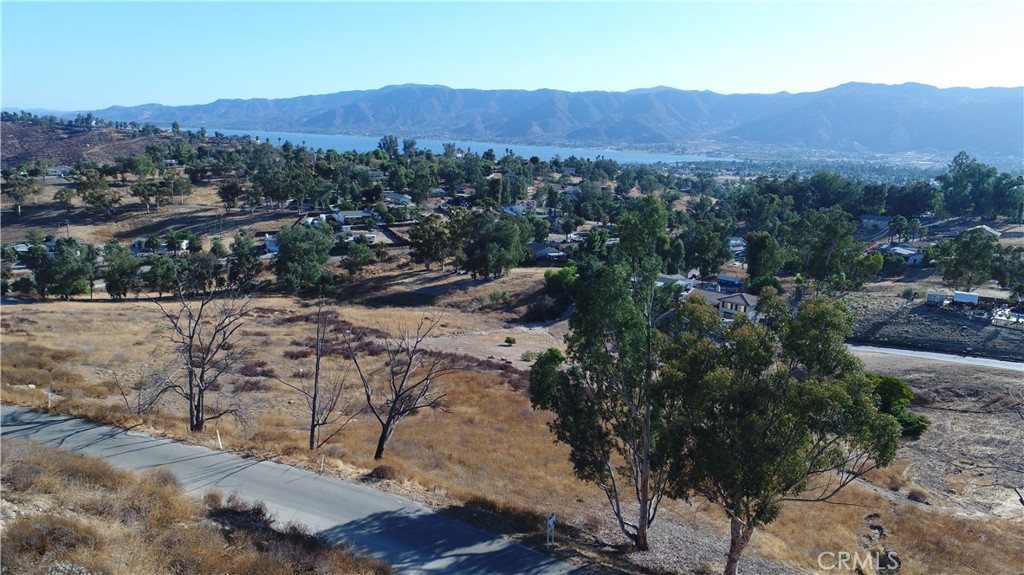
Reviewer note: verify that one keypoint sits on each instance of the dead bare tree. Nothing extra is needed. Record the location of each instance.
(204, 332)
(323, 397)
(404, 385)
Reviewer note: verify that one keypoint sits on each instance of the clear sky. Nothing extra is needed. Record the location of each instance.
(77, 56)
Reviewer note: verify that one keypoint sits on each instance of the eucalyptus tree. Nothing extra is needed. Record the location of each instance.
(773, 413)
(608, 401)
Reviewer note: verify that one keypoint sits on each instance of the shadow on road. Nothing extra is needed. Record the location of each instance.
(448, 546)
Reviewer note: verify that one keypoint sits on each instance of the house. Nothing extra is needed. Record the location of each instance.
(672, 280)
(353, 216)
(521, 207)
(397, 199)
(62, 171)
(730, 305)
(738, 304)
(984, 229)
(738, 247)
(544, 252)
(909, 253)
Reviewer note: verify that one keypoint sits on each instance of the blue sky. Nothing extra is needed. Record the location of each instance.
(76, 56)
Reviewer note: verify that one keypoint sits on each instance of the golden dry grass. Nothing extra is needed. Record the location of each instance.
(926, 540)
(489, 451)
(73, 510)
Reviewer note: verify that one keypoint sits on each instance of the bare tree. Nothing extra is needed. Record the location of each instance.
(322, 397)
(204, 332)
(408, 375)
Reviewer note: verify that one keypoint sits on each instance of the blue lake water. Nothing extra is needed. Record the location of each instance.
(343, 143)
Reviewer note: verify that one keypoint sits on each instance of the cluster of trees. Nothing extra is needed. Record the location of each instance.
(66, 267)
(482, 242)
(82, 121)
(975, 257)
(656, 398)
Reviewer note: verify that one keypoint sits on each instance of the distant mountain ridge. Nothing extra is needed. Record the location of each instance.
(851, 118)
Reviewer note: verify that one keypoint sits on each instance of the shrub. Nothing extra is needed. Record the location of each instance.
(498, 297)
(528, 356)
(509, 340)
(758, 284)
(298, 353)
(213, 500)
(562, 281)
(251, 385)
(39, 535)
(894, 395)
(546, 308)
(257, 368)
(382, 472)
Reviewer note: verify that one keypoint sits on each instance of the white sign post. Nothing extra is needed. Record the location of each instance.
(550, 539)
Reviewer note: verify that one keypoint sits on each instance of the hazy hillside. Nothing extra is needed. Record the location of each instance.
(852, 118)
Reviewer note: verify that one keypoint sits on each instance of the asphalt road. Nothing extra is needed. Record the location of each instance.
(937, 356)
(412, 538)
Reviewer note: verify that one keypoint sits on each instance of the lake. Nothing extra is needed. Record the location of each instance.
(342, 143)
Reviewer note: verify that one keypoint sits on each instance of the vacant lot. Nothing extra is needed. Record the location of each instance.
(892, 321)
(489, 452)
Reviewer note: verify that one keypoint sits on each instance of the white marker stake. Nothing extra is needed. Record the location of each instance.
(550, 539)
(321, 463)
(219, 444)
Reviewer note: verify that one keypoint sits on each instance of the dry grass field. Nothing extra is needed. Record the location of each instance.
(65, 513)
(489, 457)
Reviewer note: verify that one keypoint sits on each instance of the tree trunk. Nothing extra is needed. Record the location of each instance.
(645, 486)
(197, 416)
(385, 436)
(740, 536)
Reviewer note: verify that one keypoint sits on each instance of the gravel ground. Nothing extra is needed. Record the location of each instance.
(890, 321)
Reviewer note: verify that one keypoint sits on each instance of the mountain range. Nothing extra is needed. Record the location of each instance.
(854, 118)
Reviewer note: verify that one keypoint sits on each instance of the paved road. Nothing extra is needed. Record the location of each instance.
(409, 536)
(937, 356)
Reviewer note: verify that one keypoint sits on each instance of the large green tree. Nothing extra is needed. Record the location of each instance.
(608, 405)
(92, 187)
(244, 261)
(774, 414)
(303, 253)
(966, 261)
(19, 189)
(72, 268)
(1008, 270)
(122, 272)
(496, 244)
(431, 241)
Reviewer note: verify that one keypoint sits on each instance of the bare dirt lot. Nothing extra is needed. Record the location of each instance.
(892, 321)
